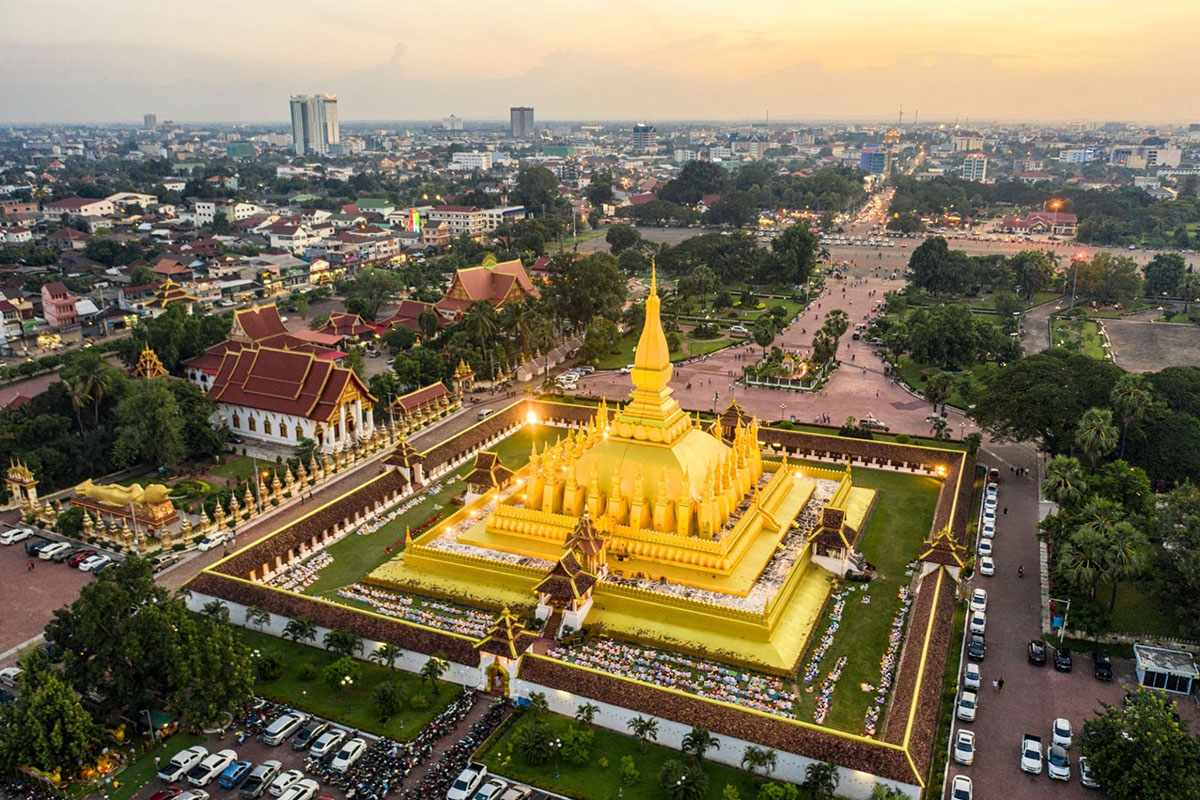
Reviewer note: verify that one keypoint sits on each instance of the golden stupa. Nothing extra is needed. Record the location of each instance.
(701, 548)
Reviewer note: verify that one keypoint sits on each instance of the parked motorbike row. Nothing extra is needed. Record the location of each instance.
(436, 781)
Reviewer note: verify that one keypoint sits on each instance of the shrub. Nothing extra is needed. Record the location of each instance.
(70, 522)
(269, 667)
(629, 772)
(903, 438)
(577, 746)
(178, 547)
(307, 671)
(418, 702)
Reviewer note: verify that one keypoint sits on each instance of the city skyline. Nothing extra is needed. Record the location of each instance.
(674, 62)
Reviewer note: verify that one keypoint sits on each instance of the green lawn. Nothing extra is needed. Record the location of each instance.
(352, 708)
(624, 352)
(700, 347)
(596, 782)
(354, 556)
(893, 537)
(1080, 335)
(585, 236)
(982, 302)
(915, 375)
(832, 430)
(1139, 611)
(240, 468)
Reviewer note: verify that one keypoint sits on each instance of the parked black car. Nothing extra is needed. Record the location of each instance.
(34, 545)
(1037, 652)
(976, 647)
(1102, 667)
(1062, 659)
(309, 734)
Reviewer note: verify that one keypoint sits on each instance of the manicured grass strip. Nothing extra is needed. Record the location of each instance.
(899, 523)
(595, 781)
(353, 707)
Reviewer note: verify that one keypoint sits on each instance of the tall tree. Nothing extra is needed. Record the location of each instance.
(46, 727)
(372, 288)
(1065, 482)
(796, 251)
(1131, 398)
(1140, 752)
(1163, 273)
(149, 426)
(1096, 434)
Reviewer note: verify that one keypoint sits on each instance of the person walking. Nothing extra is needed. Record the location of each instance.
(29, 566)
(995, 686)
(1000, 685)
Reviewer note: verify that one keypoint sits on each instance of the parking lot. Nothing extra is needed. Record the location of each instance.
(37, 593)
(1032, 696)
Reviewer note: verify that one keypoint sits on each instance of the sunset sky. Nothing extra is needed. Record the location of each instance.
(226, 60)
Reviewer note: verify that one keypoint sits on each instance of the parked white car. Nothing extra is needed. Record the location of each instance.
(51, 550)
(987, 566)
(964, 747)
(988, 530)
(1058, 763)
(94, 563)
(1060, 732)
(284, 782)
(978, 622)
(210, 767)
(962, 788)
(212, 540)
(972, 678)
(181, 763)
(327, 743)
(9, 675)
(15, 535)
(979, 600)
(350, 753)
(304, 789)
(968, 704)
(985, 547)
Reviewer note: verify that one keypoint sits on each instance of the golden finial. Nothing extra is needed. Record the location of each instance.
(653, 278)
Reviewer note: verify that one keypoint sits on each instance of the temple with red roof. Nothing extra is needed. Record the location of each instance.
(283, 396)
(498, 283)
(254, 328)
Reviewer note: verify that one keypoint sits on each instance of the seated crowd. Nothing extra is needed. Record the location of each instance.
(299, 575)
(684, 673)
(422, 611)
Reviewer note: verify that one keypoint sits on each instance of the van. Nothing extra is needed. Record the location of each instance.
(282, 728)
(484, 413)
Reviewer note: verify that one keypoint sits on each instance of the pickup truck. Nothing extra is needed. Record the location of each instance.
(1031, 754)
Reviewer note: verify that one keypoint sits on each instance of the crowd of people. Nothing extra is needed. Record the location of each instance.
(835, 619)
(887, 664)
(432, 613)
(375, 523)
(684, 673)
(299, 575)
(825, 694)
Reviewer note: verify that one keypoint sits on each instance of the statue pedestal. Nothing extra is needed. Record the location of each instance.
(149, 517)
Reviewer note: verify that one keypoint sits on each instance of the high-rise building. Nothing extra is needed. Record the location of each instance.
(150, 122)
(974, 168)
(520, 122)
(645, 137)
(875, 159)
(452, 123)
(315, 124)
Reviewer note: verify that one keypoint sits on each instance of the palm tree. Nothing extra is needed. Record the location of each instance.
(1132, 399)
(1083, 558)
(300, 630)
(429, 324)
(98, 378)
(1064, 482)
(938, 389)
(1126, 556)
(644, 730)
(585, 713)
(1189, 289)
(434, 668)
(755, 758)
(79, 399)
(516, 321)
(1096, 434)
(539, 706)
(258, 617)
(481, 323)
(821, 779)
(698, 741)
(387, 654)
(342, 643)
(216, 609)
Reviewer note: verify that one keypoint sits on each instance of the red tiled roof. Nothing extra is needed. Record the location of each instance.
(259, 322)
(425, 396)
(283, 381)
(463, 209)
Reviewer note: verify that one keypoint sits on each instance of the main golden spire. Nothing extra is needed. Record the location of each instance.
(651, 412)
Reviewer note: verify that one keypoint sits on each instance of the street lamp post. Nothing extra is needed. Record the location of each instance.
(555, 746)
(782, 408)
(348, 682)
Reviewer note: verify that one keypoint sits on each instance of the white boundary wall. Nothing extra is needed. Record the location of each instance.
(409, 661)
(853, 783)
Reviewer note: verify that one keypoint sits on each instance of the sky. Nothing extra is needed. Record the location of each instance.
(662, 60)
